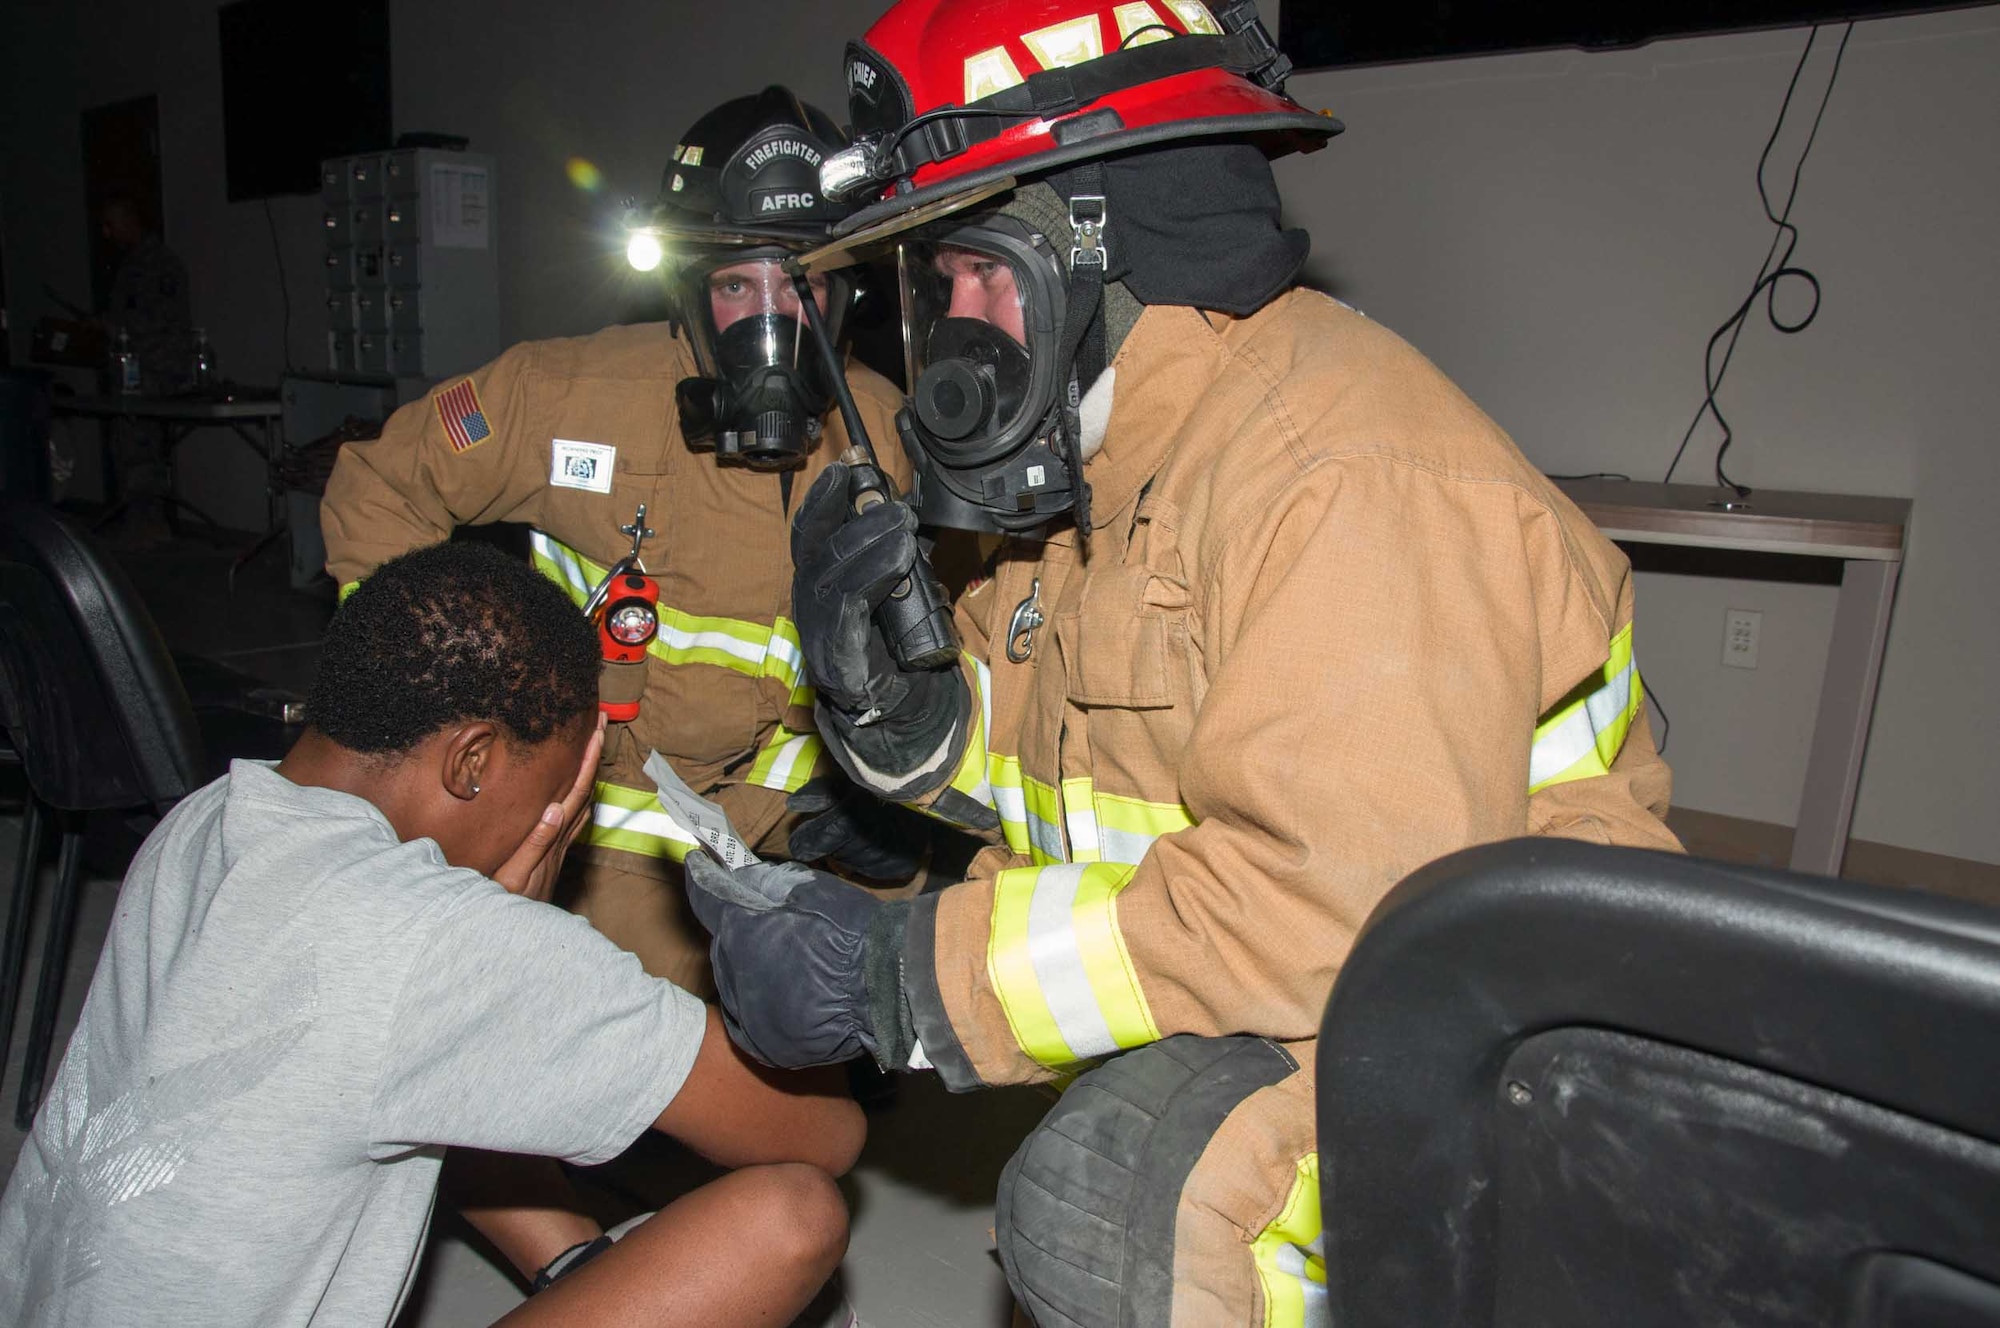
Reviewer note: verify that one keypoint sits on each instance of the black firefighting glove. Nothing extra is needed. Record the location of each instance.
(889, 719)
(851, 829)
(808, 967)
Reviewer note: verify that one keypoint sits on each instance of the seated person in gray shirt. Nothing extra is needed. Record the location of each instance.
(322, 974)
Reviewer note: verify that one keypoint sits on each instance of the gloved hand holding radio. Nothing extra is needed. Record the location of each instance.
(886, 723)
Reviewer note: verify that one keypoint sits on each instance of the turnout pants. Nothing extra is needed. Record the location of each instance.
(640, 905)
(1175, 1186)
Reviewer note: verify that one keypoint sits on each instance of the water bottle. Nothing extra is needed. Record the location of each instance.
(204, 362)
(126, 365)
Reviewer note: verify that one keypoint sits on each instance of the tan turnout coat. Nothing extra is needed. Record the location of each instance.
(726, 698)
(1328, 618)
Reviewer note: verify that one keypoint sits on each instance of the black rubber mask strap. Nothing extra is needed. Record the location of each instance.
(1080, 354)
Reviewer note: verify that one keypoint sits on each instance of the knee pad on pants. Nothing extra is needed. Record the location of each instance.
(1087, 1204)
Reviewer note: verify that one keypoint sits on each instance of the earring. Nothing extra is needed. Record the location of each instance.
(475, 790)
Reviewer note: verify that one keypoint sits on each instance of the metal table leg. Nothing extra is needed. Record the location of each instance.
(1846, 705)
(274, 506)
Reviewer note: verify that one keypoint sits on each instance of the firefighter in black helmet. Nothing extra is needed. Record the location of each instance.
(740, 195)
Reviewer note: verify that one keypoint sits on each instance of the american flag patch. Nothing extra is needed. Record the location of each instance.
(463, 419)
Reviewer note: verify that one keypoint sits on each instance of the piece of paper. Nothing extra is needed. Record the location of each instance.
(460, 207)
(698, 816)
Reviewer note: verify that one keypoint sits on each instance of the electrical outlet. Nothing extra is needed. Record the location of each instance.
(1740, 629)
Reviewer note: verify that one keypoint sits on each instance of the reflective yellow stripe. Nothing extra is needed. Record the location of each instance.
(787, 761)
(563, 565)
(633, 821)
(1059, 965)
(689, 638)
(1583, 734)
(1030, 811)
(1043, 805)
(1102, 827)
(982, 678)
(1109, 827)
(1127, 827)
(347, 590)
(786, 661)
(1290, 1255)
(1003, 777)
(1080, 819)
(971, 777)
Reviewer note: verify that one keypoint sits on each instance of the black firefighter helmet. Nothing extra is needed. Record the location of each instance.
(740, 195)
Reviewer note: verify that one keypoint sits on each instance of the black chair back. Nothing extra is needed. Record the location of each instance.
(96, 715)
(88, 692)
(1563, 1085)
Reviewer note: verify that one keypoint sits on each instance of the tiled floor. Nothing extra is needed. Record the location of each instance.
(921, 1252)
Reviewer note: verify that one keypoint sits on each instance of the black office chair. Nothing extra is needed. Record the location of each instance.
(96, 715)
(1563, 1085)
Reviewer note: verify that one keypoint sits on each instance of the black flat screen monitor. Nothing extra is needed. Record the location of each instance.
(1318, 34)
(300, 83)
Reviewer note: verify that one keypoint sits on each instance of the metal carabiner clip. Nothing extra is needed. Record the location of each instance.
(1021, 628)
(640, 533)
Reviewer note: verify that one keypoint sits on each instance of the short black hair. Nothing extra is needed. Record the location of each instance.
(447, 634)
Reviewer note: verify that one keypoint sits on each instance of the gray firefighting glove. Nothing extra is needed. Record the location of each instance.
(848, 827)
(845, 565)
(809, 968)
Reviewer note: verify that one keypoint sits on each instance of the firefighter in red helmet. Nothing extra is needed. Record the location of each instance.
(1278, 616)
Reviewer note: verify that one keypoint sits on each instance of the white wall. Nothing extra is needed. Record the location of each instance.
(1560, 231)
(614, 83)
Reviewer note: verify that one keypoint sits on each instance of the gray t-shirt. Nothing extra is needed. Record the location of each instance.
(293, 1014)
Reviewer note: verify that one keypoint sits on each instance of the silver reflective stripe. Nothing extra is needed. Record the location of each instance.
(1575, 737)
(1011, 803)
(1083, 831)
(658, 824)
(1291, 1261)
(983, 792)
(679, 638)
(564, 560)
(780, 773)
(1126, 846)
(1058, 963)
(795, 663)
(1607, 704)
(985, 675)
(1045, 836)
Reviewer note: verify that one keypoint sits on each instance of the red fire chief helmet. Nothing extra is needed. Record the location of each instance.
(947, 95)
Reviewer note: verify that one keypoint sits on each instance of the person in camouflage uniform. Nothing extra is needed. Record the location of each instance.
(148, 301)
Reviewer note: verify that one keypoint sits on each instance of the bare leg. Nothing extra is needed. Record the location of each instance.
(524, 1205)
(751, 1248)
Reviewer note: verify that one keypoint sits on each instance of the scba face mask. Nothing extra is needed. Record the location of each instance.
(983, 312)
(763, 390)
